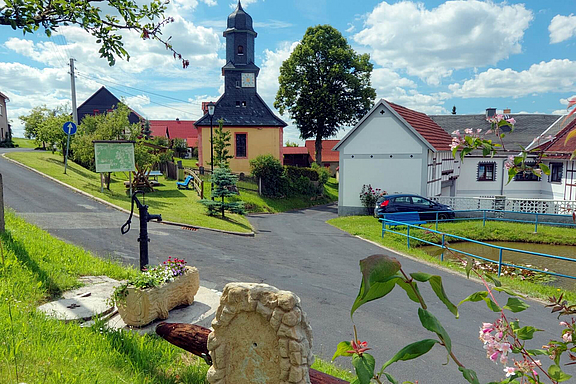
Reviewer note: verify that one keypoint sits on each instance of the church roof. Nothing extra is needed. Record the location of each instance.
(239, 20)
(255, 114)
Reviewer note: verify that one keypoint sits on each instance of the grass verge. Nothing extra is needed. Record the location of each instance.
(24, 143)
(369, 228)
(175, 205)
(36, 268)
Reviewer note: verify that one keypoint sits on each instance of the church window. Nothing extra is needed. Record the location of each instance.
(241, 139)
(238, 103)
(237, 84)
(243, 103)
(240, 50)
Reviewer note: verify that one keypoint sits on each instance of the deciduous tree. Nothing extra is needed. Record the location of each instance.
(324, 85)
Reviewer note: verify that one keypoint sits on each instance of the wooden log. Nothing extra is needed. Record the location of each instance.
(194, 339)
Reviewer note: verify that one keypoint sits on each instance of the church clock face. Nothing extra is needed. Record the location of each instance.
(248, 80)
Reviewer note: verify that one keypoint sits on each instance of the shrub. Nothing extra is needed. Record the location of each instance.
(270, 171)
(294, 173)
(369, 196)
(323, 173)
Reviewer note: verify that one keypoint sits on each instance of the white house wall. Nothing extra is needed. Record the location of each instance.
(382, 152)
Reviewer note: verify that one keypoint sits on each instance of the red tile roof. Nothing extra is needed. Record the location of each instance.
(182, 129)
(192, 142)
(328, 155)
(557, 146)
(425, 126)
(295, 150)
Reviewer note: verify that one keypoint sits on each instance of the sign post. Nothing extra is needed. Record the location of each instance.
(69, 129)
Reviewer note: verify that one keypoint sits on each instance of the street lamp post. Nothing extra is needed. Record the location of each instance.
(211, 106)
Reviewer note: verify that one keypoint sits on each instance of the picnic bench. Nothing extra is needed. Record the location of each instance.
(155, 174)
(185, 183)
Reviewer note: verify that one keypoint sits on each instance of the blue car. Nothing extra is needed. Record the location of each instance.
(412, 203)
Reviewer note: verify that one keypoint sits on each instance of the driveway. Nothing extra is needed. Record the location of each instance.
(296, 251)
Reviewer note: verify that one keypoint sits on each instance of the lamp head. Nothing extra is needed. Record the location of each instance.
(211, 106)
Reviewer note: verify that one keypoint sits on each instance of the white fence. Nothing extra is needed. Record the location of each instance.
(563, 207)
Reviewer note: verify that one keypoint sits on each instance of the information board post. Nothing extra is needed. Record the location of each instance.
(70, 129)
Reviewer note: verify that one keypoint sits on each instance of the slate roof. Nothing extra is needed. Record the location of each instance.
(328, 155)
(255, 114)
(103, 100)
(182, 129)
(528, 126)
(425, 126)
(239, 20)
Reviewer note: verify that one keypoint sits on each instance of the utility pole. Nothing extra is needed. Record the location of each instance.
(74, 110)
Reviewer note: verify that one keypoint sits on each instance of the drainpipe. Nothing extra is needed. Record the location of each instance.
(503, 176)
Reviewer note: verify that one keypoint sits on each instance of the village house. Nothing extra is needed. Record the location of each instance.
(5, 131)
(103, 101)
(255, 129)
(176, 129)
(306, 155)
(403, 151)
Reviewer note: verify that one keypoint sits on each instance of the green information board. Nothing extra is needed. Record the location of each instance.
(114, 157)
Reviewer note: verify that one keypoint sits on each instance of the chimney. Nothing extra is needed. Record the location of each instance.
(490, 112)
(507, 111)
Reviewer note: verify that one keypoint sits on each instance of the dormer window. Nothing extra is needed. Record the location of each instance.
(240, 50)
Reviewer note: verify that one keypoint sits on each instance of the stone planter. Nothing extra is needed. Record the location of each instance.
(142, 306)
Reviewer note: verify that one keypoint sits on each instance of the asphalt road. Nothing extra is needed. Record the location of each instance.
(296, 251)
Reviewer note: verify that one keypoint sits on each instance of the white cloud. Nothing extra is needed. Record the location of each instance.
(385, 80)
(552, 76)
(351, 28)
(562, 28)
(268, 77)
(245, 3)
(430, 44)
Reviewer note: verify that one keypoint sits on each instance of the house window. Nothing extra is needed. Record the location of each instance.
(556, 172)
(241, 144)
(96, 112)
(527, 176)
(486, 172)
(240, 50)
(0, 110)
(238, 104)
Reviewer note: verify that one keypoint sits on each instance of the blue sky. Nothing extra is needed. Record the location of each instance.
(428, 56)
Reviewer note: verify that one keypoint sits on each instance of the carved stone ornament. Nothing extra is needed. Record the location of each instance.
(261, 335)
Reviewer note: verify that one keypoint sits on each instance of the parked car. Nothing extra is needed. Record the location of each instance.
(412, 203)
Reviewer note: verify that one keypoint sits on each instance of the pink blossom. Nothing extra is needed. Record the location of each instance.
(468, 131)
(509, 371)
(456, 132)
(478, 130)
(563, 323)
(567, 337)
(511, 121)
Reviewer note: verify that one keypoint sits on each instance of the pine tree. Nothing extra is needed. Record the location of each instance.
(224, 186)
(221, 143)
(146, 131)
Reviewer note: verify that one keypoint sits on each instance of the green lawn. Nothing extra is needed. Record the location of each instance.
(187, 163)
(24, 143)
(174, 204)
(369, 228)
(35, 268)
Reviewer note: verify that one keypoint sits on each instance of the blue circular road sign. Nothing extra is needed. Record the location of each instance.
(69, 128)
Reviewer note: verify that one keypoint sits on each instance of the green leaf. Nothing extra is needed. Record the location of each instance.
(526, 333)
(364, 365)
(537, 352)
(411, 351)
(544, 168)
(342, 348)
(390, 378)
(556, 374)
(433, 325)
(492, 305)
(377, 290)
(469, 375)
(409, 290)
(476, 296)
(494, 280)
(378, 269)
(438, 288)
(516, 305)
(469, 265)
(506, 290)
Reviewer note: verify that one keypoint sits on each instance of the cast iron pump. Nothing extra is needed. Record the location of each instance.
(145, 217)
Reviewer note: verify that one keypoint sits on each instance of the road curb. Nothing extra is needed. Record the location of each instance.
(245, 234)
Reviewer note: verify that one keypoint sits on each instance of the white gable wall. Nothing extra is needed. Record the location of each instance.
(382, 152)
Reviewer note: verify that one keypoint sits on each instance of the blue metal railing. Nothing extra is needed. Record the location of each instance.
(444, 236)
(485, 216)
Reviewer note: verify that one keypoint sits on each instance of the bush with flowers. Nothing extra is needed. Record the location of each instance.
(152, 277)
(369, 196)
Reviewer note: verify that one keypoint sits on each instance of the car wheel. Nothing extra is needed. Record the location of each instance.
(442, 216)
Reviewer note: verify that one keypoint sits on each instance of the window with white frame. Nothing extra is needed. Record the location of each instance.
(556, 172)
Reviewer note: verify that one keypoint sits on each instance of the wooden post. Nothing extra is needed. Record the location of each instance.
(2, 222)
(101, 183)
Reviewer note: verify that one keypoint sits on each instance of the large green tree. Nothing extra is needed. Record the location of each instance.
(45, 126)
(324, 85)
(145, 19)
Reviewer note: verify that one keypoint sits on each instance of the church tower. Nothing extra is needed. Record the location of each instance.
(255, 128)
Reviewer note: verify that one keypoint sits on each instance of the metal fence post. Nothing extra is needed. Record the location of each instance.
(500, 263)
(436, 220)
(442, 254)
(536, 226)
(484, 219)
(408, 237)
